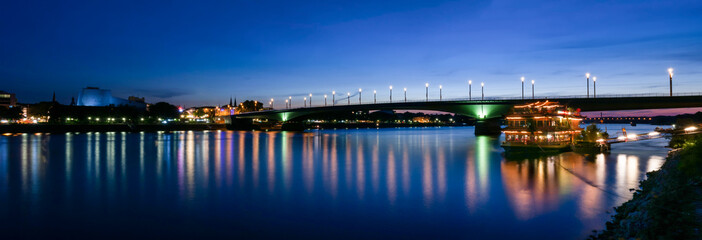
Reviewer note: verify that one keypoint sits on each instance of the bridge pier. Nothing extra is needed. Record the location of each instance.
(488, 127)
(244, 124)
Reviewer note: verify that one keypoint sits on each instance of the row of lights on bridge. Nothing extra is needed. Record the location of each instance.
(288, 102)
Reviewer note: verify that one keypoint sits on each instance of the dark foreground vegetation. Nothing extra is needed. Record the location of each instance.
(668, 203)
(667, 120)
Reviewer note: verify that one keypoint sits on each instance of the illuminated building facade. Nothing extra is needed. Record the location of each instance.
(7, 99)
(542, 123)
(96, 97)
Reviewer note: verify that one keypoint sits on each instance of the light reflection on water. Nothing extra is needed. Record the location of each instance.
(434, 182)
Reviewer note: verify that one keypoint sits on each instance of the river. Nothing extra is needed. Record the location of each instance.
(433, 183)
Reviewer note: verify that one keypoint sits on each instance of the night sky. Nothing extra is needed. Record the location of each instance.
(194, 53)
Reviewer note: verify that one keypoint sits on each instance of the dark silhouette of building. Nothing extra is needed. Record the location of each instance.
(7, 99)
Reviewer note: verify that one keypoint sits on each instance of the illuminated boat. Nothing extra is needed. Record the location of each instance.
(541, 127)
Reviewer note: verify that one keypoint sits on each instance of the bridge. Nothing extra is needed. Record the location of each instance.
(487, 111)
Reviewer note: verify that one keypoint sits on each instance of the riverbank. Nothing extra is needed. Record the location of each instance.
(668, 203)
(55, 128)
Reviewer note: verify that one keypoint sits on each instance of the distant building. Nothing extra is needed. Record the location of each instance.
(96, 97)
(135, 99)
(7, 99)
(422, 119)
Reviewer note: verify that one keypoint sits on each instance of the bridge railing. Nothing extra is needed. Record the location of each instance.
(343, 101)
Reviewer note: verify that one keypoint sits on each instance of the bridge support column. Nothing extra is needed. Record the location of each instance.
(244, 124)
(489, 127)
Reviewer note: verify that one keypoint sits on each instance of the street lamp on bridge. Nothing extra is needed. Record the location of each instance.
(427, 91)
(594, 87)
(670, 74)
(470, 89)
(290, 102)
(482, 91)
(348, 98)
(375, 99)
(522, 87)
(532, 89)
(405, 94)
(333, 98)
(587, 79)
(305, 100)
(325, 100)
(271, 103)
(310, 100)
(390, 93)
(359, 96)
(287, 106)
(440, 93)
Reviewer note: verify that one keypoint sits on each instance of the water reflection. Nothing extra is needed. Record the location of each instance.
(378, 175)
(532, 186)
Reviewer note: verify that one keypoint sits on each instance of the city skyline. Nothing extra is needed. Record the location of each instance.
(269, 119)
(200, 54)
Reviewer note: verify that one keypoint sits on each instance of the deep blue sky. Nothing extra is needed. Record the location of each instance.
(195, 53)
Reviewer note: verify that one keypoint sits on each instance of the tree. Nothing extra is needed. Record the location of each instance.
(682, 123)
(249, 106)
(39, 109)
(163, 110)
(13, 113)
(592, 133)
(199, 112)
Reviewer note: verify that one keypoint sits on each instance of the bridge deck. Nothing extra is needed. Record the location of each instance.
(495, 107)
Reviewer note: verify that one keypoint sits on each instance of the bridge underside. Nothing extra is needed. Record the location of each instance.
(488, 109)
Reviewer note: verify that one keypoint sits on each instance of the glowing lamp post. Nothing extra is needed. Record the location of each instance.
(287, 104)
(290, 98)
(325, 100)
(594, 87)
(470, 90)
(440, 93)
(375, 99)
(348, 98)
(482, 91)
(522, 87)
(359, 95)
(390, 93)
(333, 98)
(670, 74)
(405, 94)
(426, 85)
(305, 100)
(271, 103)
(532, 89)
(587, 79)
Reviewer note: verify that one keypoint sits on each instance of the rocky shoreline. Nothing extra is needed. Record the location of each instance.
(667, 204)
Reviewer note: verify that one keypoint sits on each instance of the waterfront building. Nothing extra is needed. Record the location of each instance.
(96, 97)
(541, 126)
(7, 99)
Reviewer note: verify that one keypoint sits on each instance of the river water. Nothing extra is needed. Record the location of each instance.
(432, 183)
